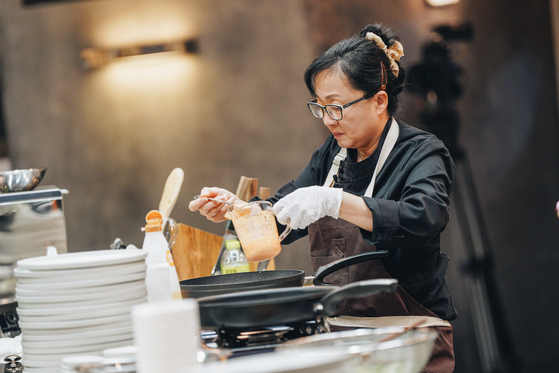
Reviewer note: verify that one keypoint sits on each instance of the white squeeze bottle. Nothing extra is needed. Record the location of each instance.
(162, 281)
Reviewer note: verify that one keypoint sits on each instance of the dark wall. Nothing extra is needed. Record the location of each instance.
(219, 117)
(509, 131)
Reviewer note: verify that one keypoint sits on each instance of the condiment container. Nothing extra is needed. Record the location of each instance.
(161, 279)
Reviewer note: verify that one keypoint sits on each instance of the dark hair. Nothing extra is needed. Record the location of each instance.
(359, 60)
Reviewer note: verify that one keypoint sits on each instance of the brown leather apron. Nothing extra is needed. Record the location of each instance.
(332, 239)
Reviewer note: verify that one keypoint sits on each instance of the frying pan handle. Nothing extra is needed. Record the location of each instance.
(329, 268)
(331, 301)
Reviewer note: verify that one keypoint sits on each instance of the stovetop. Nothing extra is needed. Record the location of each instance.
(259, 340)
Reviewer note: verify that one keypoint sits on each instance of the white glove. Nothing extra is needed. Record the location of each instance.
(307, 205)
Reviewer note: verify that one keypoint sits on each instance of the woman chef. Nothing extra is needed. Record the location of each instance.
(375, 183)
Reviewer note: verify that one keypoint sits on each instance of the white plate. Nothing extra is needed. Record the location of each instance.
(118, 269)
(44, 370)
(73, 362)
(91, 302)
(58, 325)
(113, 311)
(138, 267)
(99, 281)
(77, 340)
(84, 296)
(55, 310)
(55, 360)
(42, 361)
(108, 330)
(85, 259)
(32, 290)
(48, 361)
(78, 330)
(78, 349)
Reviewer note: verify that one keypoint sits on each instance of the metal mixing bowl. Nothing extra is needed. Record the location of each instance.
(20, 180)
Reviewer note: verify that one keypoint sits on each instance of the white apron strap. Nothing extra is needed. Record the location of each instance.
(387, 147)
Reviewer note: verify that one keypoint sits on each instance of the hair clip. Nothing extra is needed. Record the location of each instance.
(383, 75)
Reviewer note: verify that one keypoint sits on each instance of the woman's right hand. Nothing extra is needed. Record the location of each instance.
(213, 210)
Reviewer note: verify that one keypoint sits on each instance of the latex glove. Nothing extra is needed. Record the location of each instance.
(307, 205)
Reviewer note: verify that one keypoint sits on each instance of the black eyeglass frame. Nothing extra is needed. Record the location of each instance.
(341, 107)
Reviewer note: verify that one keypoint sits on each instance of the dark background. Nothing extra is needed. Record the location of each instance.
(255, 53)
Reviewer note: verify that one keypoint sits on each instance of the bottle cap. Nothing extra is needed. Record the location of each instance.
(232, 244)
(154, 221)
(51, 251)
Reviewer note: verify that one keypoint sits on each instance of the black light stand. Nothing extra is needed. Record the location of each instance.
(436, 80)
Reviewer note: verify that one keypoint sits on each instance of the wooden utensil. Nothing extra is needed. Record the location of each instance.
(406, 329)
(195, 252)
(171, 192)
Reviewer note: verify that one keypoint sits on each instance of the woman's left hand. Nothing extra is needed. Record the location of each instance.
(307, 205)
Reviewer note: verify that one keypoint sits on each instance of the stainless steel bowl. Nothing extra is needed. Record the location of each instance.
(406, 353)
(21, 180)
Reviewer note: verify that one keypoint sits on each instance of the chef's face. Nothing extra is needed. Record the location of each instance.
(362, 123)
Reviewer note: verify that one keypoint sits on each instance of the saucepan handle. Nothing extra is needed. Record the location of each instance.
(331, 301)
(329, 268)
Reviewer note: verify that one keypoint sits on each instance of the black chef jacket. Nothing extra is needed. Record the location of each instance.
(410, 207)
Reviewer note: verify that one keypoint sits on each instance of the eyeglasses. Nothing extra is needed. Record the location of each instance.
(335, 112)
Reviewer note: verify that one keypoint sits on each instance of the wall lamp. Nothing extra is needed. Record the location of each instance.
(441, 2)
(94, 58)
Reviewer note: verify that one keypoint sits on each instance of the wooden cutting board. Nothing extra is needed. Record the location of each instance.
(195, 252)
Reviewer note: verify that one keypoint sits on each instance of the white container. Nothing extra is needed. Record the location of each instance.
(161, 280)
(166, 335)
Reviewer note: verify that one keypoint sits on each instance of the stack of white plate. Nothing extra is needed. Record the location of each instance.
(77, 304)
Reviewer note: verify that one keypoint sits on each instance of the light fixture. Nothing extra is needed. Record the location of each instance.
(441, 2)
(94, 58)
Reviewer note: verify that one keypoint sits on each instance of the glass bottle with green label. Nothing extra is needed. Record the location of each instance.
(233, 259)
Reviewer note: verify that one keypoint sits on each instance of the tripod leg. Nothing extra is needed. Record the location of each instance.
(495, 350)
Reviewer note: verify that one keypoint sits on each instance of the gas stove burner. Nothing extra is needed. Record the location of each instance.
(264, 336)
(243, 341)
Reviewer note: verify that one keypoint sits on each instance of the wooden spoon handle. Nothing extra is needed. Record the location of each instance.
(407, 328)
(171, 192)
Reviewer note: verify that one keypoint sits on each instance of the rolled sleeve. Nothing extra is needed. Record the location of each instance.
(386, 223)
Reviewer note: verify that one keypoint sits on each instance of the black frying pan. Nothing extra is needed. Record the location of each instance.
(236, 282)
(261, 308)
